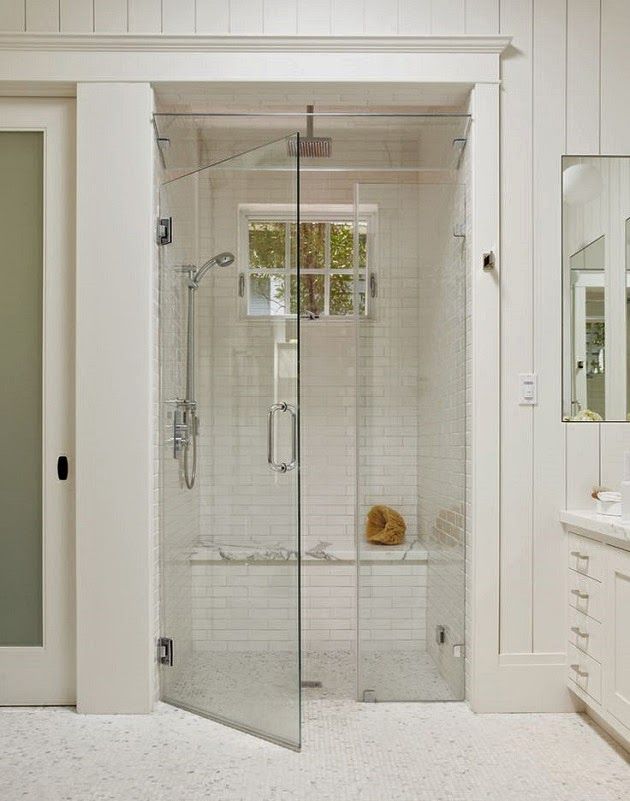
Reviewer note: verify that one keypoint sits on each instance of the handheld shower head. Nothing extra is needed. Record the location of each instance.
(220, 260)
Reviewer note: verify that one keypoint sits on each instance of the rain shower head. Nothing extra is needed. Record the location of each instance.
(220, 260)
(314, 147)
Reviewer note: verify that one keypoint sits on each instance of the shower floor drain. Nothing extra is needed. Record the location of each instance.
(311, 684)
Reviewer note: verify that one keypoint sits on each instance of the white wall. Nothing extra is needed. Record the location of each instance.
(556, 99)
(564, 83)
(114, 512)
(405, 17)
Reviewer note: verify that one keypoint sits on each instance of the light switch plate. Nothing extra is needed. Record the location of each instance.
(527, 389)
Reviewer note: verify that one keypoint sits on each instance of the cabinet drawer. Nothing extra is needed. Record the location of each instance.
(584, 671)
(586, 556)
(586, 634)
(586, 595)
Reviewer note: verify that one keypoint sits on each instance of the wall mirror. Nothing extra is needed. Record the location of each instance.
(596, 288)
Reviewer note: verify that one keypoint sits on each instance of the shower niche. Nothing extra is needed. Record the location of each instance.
(331, 363)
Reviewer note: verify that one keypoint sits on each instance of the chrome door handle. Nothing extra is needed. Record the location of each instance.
(281, 467)
(278, 467)
(294, 436)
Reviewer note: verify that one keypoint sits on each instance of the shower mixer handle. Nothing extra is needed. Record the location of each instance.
(185, 425)
(281, 467)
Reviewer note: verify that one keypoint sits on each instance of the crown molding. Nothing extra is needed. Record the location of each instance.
(166, 43)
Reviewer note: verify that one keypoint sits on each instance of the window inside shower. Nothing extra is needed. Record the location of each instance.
(380, 343)
(333, 272)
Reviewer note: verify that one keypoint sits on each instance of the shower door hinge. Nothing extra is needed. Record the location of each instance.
(165, 231)
(165, 651)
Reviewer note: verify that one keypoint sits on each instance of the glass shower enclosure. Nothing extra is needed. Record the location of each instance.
(229, 579)
(350, 279)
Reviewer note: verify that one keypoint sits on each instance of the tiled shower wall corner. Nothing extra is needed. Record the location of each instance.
(442, 429)
(412, 403)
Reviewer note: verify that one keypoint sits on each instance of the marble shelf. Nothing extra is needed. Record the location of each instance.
(408, 552)
(605, 528)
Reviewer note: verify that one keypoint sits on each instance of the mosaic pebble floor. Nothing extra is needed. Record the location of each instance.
(351, 752)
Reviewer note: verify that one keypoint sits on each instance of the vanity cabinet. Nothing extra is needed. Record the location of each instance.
(618, 628)
(598, 647)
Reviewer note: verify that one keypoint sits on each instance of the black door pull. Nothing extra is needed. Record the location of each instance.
(62, 468)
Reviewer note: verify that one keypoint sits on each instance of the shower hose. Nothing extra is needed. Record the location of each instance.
(191, 475)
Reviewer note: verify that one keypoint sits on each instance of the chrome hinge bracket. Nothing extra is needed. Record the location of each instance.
(165, 231)
(165, 651)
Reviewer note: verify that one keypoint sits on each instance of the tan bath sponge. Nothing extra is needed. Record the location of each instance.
(384, 526)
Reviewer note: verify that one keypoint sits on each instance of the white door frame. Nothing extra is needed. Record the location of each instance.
(53, 63)
(46, 674)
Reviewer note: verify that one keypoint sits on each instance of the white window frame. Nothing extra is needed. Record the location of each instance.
(318, 212)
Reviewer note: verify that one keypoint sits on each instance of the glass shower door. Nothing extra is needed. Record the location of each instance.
(230, 544)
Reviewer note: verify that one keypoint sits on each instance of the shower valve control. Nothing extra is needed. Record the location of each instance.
(183, 422)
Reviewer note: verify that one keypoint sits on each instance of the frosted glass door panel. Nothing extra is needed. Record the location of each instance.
(21, 211)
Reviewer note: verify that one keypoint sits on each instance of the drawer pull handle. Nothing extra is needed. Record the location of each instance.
(583, 595)
(579, 555)
(577, 630)
(580, 671)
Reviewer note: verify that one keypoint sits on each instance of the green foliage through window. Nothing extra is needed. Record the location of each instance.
(327, 280)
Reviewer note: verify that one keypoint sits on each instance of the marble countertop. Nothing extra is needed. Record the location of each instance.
(605, 528)
(412, 551)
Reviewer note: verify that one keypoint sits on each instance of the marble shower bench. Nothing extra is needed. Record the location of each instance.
(240, 599)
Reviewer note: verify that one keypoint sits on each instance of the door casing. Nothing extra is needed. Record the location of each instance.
(45, 675)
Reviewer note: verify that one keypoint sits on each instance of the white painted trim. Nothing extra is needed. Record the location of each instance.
(45, 674)
(485, 290)
(114, 399)
(508, 660)
(194, 43)
(40, 65)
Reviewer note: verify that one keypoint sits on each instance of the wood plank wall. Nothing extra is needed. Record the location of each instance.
(565, 88)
